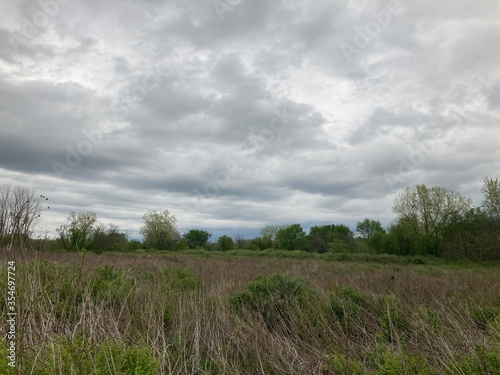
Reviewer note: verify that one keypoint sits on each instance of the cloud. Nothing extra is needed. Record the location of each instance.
(251, 116)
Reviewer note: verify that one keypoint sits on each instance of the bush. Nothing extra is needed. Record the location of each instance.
(225, 243)
(181, 280)
(274, 299)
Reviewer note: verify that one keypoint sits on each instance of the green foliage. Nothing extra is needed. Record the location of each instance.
(482, 315)
(180, 280)
(338, 238)
(274, 299)
(261, 243)
(78, 232)
(395, 318)
(369, 227)
(290, 237)
(81, 356)
(226, 243)
(342, 365)
(160, 230)
(483, 362)
(491, 202)
(108, 239)
(196, 238)
(116, 357)
(388, 362)
(109, 285)
(348, 301)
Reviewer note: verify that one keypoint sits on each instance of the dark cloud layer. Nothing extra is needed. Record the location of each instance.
(248, 114)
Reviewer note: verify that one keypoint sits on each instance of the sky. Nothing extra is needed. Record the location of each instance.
(236, 114)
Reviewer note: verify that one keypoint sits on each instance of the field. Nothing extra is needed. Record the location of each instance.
(246, 312)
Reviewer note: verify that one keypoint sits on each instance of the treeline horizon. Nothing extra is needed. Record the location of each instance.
(430, 221)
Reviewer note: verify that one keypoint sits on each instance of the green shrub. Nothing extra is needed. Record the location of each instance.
(348, 300)
(387, 362)
(274, 299)
(339, 364)
(115, 357)
(81, 356)
(484, 315)
(110, 285)
(181, 280)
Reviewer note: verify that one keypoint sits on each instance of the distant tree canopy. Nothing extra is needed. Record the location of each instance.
(426, 211)
(160, 230)
(290, 237)
(369, 227)
(196, 238)
(331, 237)
(429, 221)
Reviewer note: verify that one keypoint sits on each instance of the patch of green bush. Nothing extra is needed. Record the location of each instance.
(181, 280)
(347, 300)
(274, 299)
(110, 285)
(388, 362)
(80, 356)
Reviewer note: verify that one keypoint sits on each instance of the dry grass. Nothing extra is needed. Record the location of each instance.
(76, 315)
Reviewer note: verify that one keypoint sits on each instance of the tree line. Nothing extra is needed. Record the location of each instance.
(429, 221)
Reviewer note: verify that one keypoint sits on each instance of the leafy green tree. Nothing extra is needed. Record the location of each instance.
(428, 210)
(324, 238)
(225, 243)
(268, 235)
(160, 230)
(261, 243)
(491, 202)
(368, 227)
(78, 232)
(108, 239)
(196, 238)
(290, 237)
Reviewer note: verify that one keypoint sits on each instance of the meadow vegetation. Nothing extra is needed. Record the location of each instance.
(247, 312)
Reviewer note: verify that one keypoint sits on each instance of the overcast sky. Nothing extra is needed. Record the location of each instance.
(238, 114)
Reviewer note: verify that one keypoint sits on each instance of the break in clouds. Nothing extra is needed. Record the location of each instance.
(238, 114)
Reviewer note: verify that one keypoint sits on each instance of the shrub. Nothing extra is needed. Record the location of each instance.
(274, 299)
(225, 243)
(181, 280)
(109, 285)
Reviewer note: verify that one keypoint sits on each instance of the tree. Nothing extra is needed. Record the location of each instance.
(269, 233)
(196, 238)
(225, 243)
(160, 230)
(428, 210)
(331, 237)
(368, 227)
(108, 238)
(20, 210)
(491, 202)
(290, 237)
(77, 233)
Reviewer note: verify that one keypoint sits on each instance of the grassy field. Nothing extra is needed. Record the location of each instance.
(251, 313)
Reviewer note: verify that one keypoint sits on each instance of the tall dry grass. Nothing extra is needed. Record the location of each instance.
(187, 314)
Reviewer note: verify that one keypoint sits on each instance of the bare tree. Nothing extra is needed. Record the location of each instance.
(20, 210)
